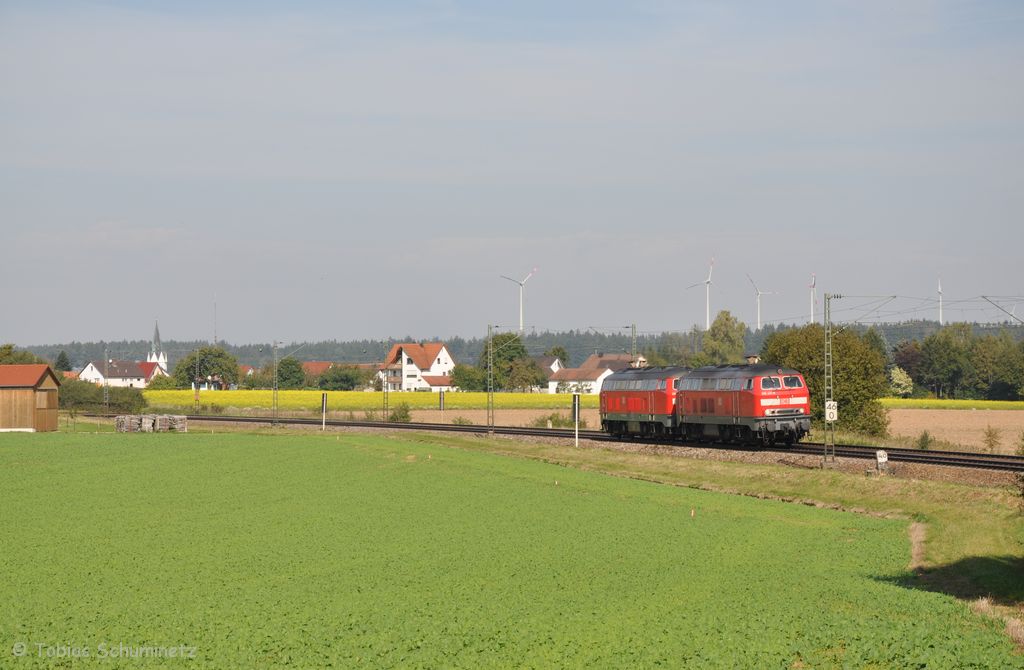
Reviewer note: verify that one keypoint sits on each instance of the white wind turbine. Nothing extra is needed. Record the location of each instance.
(940, 301)
(707, 295)
(814, 293)
(759, 293)
(521, 284)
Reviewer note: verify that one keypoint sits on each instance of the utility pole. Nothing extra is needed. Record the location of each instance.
(107, 380)
(490, 379)
(275, 383)
(632, 353)
(831, 412)
(195, 383)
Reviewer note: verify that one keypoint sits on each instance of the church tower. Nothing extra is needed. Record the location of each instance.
(156, 353)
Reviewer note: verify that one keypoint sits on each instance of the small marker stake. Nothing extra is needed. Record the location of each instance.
(693, 512)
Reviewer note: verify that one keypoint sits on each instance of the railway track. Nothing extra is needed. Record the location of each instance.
(947, 458)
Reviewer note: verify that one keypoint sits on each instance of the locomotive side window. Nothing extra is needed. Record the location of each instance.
(770, 383)
(748, 384)
(675, 384)
(792, 382)
(707, 384)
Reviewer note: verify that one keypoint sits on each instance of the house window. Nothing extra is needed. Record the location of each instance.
(408, 360)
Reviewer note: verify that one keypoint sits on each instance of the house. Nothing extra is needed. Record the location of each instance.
(28, 398)
(314, 369)
(418, 367)
(115, 372)
(589, 376)
(130, 374)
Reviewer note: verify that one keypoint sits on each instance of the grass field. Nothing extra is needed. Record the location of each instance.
(356, 550)
(358, 401)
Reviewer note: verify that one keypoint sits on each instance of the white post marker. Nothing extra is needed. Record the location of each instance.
(831, 411)
(576, 416)
(323, 411)
(883, 459)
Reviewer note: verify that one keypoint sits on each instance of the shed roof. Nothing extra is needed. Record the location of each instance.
(25, 376)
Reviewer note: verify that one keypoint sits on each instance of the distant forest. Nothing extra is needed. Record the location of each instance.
(578, 343)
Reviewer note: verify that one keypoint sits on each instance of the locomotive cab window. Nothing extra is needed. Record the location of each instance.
(792, 382)
(748, 384)
(770, 383)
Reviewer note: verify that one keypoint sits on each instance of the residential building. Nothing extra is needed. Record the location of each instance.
(418, 367)
(590, 375)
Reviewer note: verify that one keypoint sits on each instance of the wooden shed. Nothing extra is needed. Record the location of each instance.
(28, 398)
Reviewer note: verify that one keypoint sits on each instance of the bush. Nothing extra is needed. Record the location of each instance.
(992, 437)
(400, 414)
(461, 421)
(924, 440)
(162, 383)
(79, 396)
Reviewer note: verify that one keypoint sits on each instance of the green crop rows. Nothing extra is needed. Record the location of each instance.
(309, 551)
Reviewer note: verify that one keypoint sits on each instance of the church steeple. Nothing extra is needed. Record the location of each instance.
(156, 353)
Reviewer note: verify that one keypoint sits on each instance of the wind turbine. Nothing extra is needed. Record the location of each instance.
(521, 284)
(759, 293)
(707, 295)
(940, 301)
(814, 293)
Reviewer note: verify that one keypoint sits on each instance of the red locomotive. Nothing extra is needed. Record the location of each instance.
(754, 404)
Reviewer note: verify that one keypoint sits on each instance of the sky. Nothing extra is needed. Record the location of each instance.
(323, 170)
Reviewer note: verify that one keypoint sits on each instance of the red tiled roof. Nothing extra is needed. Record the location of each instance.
(316, 368)
(69, 374)
(246, 370)
(438, 380)
(422, 355)
(607, 361)
(24, 376)
(578, 374)
(149, 369)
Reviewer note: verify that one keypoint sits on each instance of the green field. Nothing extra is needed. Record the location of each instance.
(308, 551)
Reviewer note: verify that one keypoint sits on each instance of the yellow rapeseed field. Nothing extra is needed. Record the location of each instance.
(936, 403)
(359, 400)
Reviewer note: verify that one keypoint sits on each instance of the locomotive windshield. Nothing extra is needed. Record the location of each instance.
(770, 383)
(792, 382)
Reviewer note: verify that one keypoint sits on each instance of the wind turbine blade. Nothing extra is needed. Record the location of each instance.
(753, 284)
(700, 283)
(516, 281)
(940, 286)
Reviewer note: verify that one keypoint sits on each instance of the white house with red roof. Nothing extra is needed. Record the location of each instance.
(131, 374)
(115, 372)
(418, 367)
(590, 375)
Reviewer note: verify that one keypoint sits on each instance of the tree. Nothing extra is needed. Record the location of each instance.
(468, 378)
(858, 369)
(945, 360)
(63, 363)
(214, 364)
(506, 348)
(524, 375)
(900, 383)
(9, 356)
(344, 378)
(907, 355)
(290, 374)
(162, 383)
(560, 353)
(723, 343)
(876, 341)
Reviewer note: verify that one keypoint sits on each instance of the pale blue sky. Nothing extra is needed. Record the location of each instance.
(370, 169)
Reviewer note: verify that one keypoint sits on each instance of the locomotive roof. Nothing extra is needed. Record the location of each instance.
(728, 371)
(650, 373)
